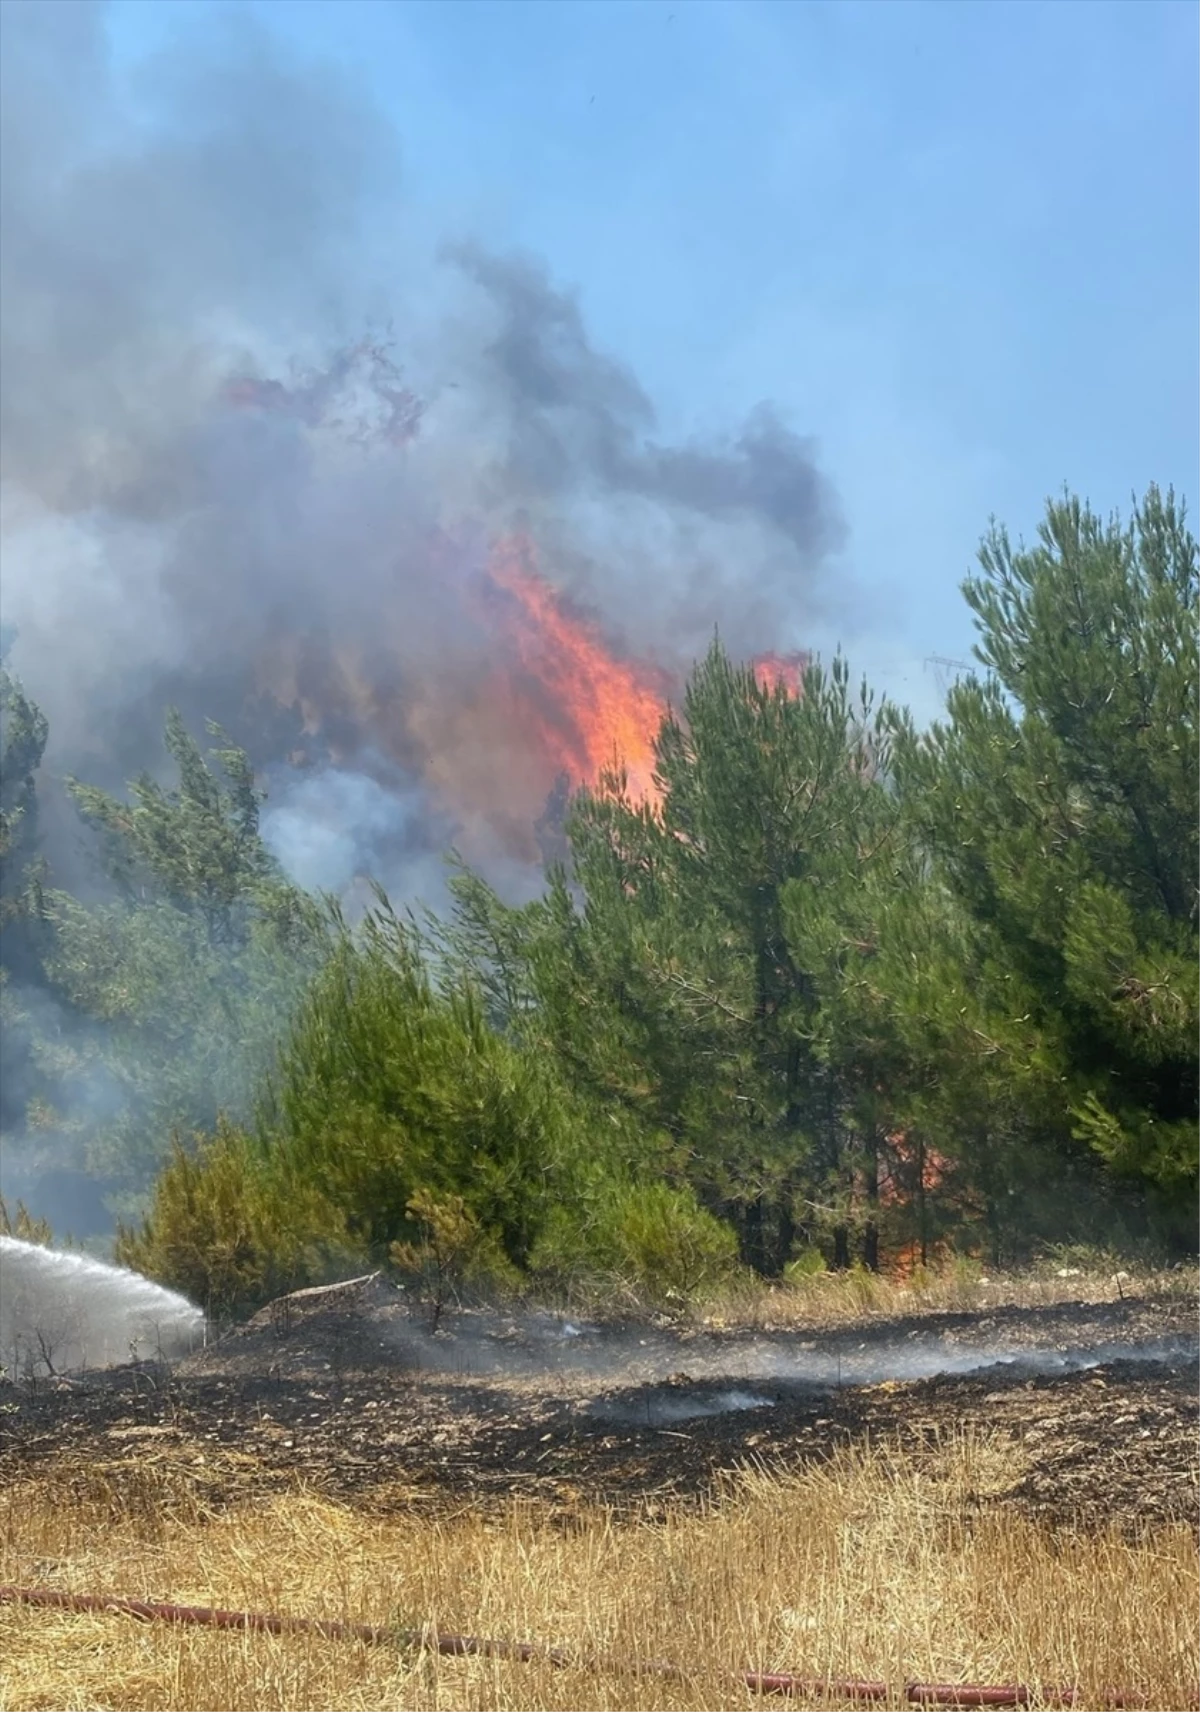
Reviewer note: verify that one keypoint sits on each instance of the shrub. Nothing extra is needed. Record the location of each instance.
(24, 1226)
(809, 1263)
(230, 1229)
(453, 1250)
(397, 1123)
(664, 1243)
(388, 1087)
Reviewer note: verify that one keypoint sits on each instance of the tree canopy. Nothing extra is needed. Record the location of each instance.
(1059, 803)
(156, 1008)
(843, 990)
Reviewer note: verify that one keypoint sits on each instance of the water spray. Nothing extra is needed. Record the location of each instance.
(60, 1313)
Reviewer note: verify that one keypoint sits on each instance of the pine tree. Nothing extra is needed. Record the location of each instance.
(185, 981)
(663, 973)
(23, 735)
(1060, 804)
(197, 848)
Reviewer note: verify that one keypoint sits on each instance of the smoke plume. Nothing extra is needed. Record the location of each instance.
(227, 484)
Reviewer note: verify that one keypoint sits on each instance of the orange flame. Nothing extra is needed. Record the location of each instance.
(494, 739)
(592, 710)
(775, 671)
(935, 1167)
(553, 703)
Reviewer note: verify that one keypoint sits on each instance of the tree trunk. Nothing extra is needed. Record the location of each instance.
(922, 1205)
(754, 1246)
(871, 1233)
(786, 1229)
(841, 1249)
(871, 1248)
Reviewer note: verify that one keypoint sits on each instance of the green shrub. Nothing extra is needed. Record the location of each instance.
(388, 1087)
(809, 1263)
(24, 1226)
(453, 1250)
(230, 1229)
(663, 1242)
(397, 1123)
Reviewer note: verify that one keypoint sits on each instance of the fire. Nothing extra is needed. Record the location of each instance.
(534, 700)
(538, 705)
(592, 710)
(780, 670)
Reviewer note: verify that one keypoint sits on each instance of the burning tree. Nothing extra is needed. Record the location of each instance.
(801, 970)
(675, 970)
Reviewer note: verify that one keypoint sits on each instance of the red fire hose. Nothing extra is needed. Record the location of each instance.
(526, 1652)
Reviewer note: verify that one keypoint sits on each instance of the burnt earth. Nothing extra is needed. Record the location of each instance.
(352, 1396)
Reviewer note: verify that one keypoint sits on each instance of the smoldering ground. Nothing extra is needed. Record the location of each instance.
(351, 1392)
(372, 1322)
(217, 492)
(94, 1314)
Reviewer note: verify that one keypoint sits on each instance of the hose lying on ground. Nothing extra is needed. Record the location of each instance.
(528, 1652)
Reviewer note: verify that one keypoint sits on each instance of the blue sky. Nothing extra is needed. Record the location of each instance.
(957, 244)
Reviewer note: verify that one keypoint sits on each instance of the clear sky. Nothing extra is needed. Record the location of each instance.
(956, 243)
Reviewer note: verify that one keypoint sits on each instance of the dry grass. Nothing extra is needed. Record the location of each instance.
(829, 1299)
(874, 1565)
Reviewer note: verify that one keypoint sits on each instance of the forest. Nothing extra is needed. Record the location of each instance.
(845, 992)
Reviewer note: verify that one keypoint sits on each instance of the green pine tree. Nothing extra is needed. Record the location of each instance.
(23, 735)
(184, 982)
(663, 973)
(1059, 802)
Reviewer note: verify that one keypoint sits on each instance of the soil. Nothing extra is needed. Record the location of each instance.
(354, 1395)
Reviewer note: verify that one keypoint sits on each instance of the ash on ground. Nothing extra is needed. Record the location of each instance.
(351, 1392)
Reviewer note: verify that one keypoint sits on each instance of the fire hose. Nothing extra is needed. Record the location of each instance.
(528, 1652)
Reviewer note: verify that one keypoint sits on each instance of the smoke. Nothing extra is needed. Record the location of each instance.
(579, 426)
(641, 1372)
(258, 438)
(218, 492)
(648, 1373)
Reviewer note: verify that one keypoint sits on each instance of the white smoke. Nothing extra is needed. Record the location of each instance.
(178, 495)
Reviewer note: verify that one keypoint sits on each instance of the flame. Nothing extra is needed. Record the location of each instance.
(780, 671)
(516, 702)
(935, 1168)
(535, 704)
(590, 709)
(904, 1261)
(594, 709)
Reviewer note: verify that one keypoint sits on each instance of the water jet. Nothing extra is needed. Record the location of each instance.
(62, 1312)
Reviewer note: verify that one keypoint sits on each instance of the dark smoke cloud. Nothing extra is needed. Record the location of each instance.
(203, 502)
(582, 423)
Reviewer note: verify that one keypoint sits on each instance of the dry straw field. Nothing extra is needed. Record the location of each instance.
(871, 1563)
(887, 1559)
